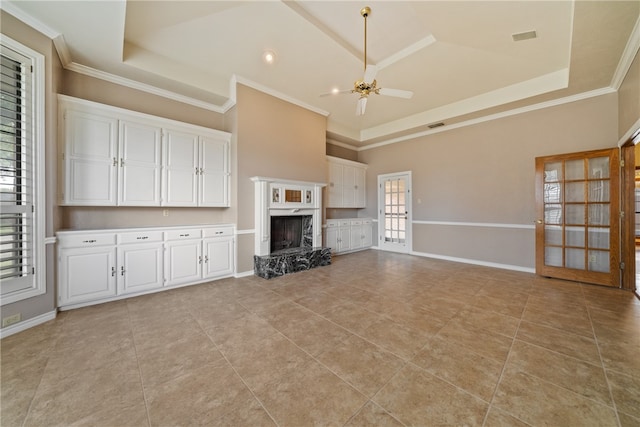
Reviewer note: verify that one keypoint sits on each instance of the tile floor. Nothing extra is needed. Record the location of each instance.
(374, 339)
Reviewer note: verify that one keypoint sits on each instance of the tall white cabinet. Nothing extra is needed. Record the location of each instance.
(116, 157)
(347, 183)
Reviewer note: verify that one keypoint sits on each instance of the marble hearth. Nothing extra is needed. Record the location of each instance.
(288, 227)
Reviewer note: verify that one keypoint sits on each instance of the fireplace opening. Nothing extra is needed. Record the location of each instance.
(291, 232)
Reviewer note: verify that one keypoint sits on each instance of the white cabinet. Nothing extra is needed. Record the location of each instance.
(140, 261)
(193, 256)
(116, 157)
(86, 268)
(347, 183)
(103, 265)
(348, 235)
(196, 169)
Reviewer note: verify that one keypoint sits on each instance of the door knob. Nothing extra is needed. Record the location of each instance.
(539, 221)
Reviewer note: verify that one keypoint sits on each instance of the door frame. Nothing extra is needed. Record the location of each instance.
(408, 204)
(627, 205)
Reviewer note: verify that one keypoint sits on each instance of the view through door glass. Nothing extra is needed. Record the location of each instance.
(577, 226)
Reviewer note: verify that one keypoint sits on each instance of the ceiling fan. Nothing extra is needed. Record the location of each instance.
(368, 84)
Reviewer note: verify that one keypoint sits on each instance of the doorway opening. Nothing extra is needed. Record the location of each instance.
(394, 212)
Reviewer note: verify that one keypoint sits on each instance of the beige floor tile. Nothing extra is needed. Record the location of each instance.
(398, 339)
(476, 339)
(130, 416)
(318, 302)
(470, 371)
(627, 420)
(310, 395)
(574, 322)
(498, 418)
(362, 364)
(573, 345)
(199, 397)
(373, 415)
(580, 377)
(352, 317)
(239, 332)
(620, 357)
(626, 393)
(509, 307)
(285, 314)
(416, 397)
(489, 320)
(538, 402)
(20, 380)
(250, 413)
(315, 334)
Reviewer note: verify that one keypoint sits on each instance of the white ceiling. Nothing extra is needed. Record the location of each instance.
(458, 57)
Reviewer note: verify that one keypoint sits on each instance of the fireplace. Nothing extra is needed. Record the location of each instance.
(289, 233)
(288, 227)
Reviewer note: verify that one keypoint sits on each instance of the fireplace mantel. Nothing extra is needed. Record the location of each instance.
(280, 197)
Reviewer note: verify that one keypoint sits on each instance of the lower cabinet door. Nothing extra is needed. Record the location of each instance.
(183, 262)
(87, 274)
(356, 236)
(139, 267)
(331, 240)
(218, 257)
(344, 239)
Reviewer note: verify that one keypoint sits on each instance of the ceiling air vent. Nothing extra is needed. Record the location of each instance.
(435, 125)
(524, 36)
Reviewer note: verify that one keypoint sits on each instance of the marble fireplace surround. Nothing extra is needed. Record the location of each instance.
(278, 197)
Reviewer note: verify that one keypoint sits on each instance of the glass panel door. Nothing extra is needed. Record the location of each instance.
(577, 225)
(394, 221)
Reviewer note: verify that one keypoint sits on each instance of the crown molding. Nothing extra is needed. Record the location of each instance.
(12, 9)
(491, 117)
(628, 55)
(342, 144)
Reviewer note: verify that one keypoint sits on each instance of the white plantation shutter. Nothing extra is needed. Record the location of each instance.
(18, 176)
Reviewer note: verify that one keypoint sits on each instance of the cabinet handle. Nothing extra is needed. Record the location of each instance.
(206, 258)
(219, 232)
(89, 241)
(113, 271)
(121, 162)
(184, 235)
(142, 237)
(115, 162)
(201, 171)
(196, 171)
(200, 259)
(122, 270)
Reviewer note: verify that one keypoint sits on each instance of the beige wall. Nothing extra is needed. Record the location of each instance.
(274, 139)
(629, 98)
(343, 153)
(485, 174)
(42, 304)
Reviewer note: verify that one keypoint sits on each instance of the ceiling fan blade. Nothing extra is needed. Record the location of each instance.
(362, 104)
(339, 92)
(396, 92)
(370, 73)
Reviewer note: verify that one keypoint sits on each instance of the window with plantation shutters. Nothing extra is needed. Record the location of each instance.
(20, 237)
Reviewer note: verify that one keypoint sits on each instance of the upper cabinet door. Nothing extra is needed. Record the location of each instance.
(334, 189)
(214, 172)
(90, 157)
(181, 169)
(139, 170)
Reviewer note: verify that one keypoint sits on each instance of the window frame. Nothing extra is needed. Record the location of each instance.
(37, 286)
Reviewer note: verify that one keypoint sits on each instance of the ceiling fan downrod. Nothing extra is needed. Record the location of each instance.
(365, 12)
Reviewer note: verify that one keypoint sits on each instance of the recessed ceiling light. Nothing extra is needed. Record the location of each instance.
(524, 36)
(269, 56)
(335, 91)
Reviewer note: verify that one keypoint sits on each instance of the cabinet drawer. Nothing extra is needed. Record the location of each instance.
(140, 237)
(345, 222)
(184, 234)
(367, 221)
(332, 223)
(217, 232)
(356, 222)
(86, 240)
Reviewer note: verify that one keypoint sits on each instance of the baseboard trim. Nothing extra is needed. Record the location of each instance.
(243, 274)
(26, 324)
(476, 262)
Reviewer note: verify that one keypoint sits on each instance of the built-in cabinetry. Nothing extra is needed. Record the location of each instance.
(101, 265)
(116, 157)
(347, 183)
(348, 235)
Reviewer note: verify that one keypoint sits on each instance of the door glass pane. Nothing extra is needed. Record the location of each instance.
(575, 214)
(552, 171)
(553, 235)
(599, 167)
(599, 237)
(599, 191)
(599, 214)
(553, 214)
(574, 169)
(553, 192)
(574, 258)
(574, 236)
(394, 209)
(553, 256)
(599, 261)
(574, 191)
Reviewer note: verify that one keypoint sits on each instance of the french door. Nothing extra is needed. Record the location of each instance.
(577, 226)
(394, 212)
